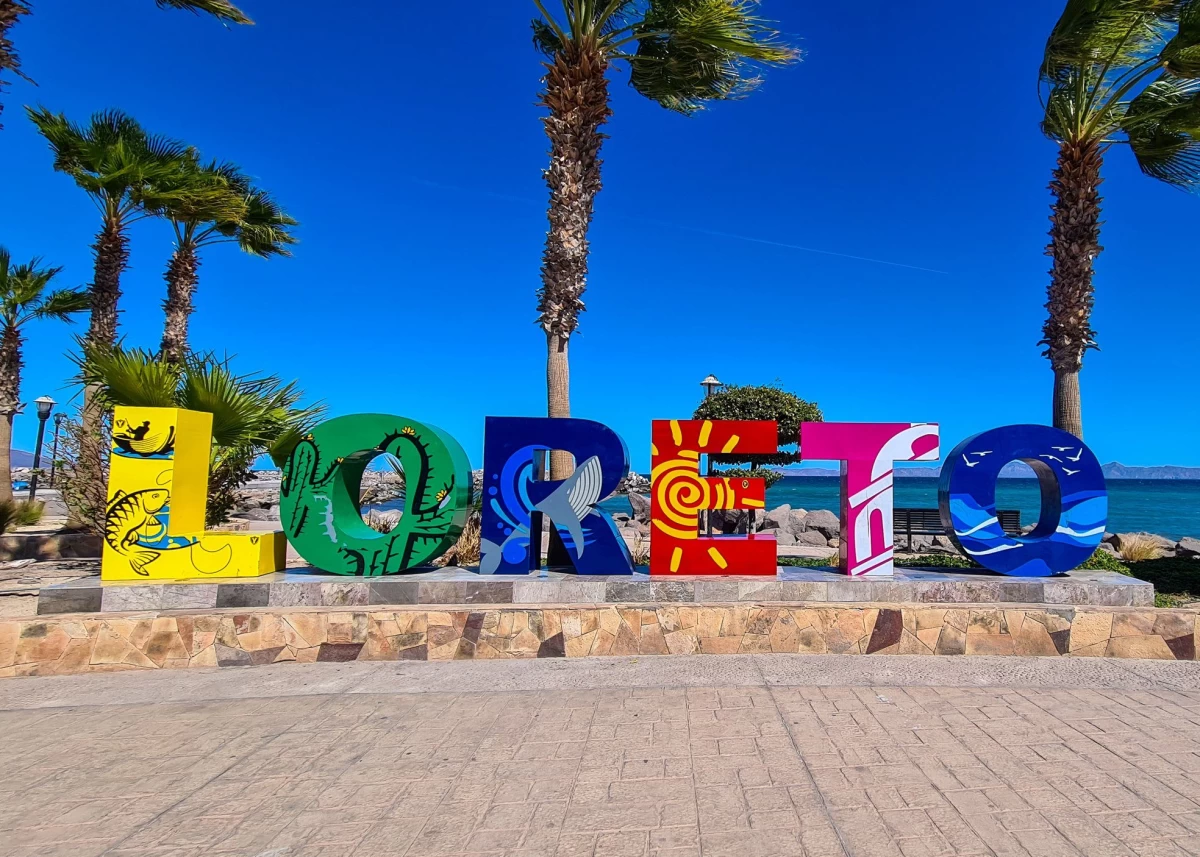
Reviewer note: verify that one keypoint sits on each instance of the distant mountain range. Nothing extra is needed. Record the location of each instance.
(1014, 470)
(21, 458)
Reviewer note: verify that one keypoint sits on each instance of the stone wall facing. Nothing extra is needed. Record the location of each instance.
(59, 645)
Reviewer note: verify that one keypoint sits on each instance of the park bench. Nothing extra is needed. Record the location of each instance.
(928, 522)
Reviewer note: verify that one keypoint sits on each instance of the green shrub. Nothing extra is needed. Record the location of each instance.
(807, 561)
(1171, 576)
(19, 513)
(770, 477)
(787, 410)
(935, 560)
(1102, 560)
(30, 513)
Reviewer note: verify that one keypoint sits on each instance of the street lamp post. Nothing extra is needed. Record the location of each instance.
(59, 419)
(44, 406)
(710, 385)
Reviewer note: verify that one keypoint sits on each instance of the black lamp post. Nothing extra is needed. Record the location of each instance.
(710, 385)
(44, 406)
(59, 419)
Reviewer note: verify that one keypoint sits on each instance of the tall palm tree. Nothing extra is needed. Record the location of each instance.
(1115, 72)
(24, 298)
(11, 10)
(212, 204)
(682, 54)
(117, 164)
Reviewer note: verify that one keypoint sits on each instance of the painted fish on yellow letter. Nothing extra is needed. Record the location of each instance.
(157, 494)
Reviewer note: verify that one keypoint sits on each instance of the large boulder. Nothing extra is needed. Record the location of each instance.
(1188, 547)
(919, 543)
(729, 521)
(635, 526)
(812, 538)
(945, 543)
(824, 522)
(795, 522)
(640, 506)
(268, 514)
(782, 537)
(777, 518)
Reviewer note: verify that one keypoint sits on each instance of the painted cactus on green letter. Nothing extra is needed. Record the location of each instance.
(319, 504)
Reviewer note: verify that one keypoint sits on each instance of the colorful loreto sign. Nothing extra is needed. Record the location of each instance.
(159, 474)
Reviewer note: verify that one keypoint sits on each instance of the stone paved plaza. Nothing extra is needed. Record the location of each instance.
(742, 755)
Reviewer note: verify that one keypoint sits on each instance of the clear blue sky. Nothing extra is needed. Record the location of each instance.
(409, 147)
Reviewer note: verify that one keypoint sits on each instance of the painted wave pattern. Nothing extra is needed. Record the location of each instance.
(1080, 529)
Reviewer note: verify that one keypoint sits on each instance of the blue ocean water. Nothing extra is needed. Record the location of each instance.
(1169, 507)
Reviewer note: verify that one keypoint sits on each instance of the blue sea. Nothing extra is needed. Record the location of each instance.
(1169, 507)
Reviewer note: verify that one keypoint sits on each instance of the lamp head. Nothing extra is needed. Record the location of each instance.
(44, 406)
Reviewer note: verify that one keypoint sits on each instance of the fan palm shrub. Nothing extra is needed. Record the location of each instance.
(253, 415)
(12, 10)
(206, 205)
(1115, 72)
(682, 54)
(25, 296)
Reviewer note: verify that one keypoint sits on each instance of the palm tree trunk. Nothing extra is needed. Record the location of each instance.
(10, 11)
(1068, 415)
(10, 403)
(576, 95)
(1074, 246)
(112, 257)
(181, 285)
(6, 424)
(558, 399)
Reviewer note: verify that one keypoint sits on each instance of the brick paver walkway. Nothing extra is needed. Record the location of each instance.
(743, 771)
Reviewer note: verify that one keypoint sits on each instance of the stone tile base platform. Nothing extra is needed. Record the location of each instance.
(306, 588)
(98, 643)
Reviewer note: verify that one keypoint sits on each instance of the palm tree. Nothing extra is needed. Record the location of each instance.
(23, 298)
(117, 164)
(682, 54)
(11, 10)
(213, 204)
(253, 415)
(1115, 72)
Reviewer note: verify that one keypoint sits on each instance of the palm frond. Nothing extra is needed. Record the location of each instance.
(263, 228)
(690, 52)
(222, 10)
(60, 305)
(22, 287)
(112, 157)
(545, 38)
(1182, 53)
(190, 193)
(130, 377)
(1163, 126)
(1104, 32)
